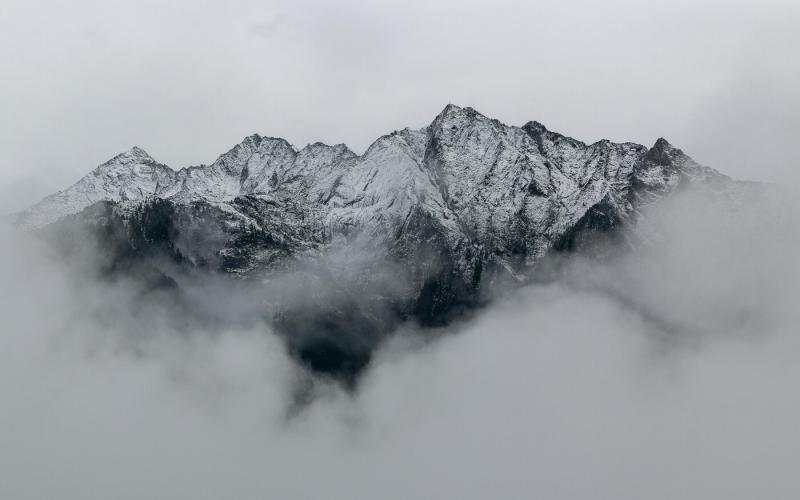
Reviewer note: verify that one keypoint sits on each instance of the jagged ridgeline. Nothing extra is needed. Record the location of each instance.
(346, 247)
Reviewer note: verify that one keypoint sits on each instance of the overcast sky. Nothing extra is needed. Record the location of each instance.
(84, 80)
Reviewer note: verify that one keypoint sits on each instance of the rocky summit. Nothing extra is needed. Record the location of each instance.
(416, 229)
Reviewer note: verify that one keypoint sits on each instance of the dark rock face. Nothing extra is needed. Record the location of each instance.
(418, 228)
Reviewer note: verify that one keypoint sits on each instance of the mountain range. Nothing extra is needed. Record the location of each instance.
(417, 228)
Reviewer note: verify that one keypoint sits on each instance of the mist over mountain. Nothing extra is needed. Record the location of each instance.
(466, 310)
(336, 250)
(664, 371)
(543, 250)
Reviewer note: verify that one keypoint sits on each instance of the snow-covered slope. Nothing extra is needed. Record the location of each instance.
(418, 227)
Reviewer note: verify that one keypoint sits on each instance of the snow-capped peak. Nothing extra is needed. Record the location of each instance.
(463, 165)
(136, 152)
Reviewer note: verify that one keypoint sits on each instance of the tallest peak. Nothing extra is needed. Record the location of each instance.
(450, 110)
(453, 113)
(136, 152)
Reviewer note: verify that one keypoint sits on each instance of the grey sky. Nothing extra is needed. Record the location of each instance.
(84, 80)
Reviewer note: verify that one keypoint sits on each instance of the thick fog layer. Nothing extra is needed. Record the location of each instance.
(663, 374)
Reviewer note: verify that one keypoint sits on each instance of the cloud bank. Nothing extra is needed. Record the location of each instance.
(665, 373)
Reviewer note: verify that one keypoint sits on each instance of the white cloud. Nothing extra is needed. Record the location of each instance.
(668, 374)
